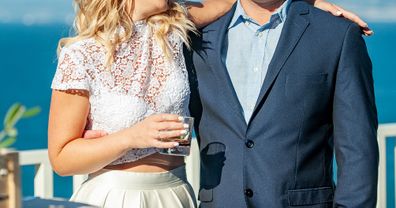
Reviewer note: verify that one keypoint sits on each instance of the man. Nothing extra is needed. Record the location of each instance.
(276, 87)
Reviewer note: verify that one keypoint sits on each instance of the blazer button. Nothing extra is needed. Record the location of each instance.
(249, 144)
(249, 193)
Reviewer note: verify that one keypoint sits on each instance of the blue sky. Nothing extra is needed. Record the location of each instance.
(36, 11)
(371, 10)
(60, 11)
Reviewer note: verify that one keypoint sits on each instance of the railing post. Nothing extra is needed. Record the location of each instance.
(43, 181)
(394, 156)
(384, 132)
(43, 177)
(381, 197)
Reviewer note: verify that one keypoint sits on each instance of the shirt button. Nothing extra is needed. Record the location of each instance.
(249, 193)
(260, 34)
(251, 107)
(249, 144)
(255, 69)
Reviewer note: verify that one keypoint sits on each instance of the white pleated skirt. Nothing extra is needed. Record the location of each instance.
(122, 189)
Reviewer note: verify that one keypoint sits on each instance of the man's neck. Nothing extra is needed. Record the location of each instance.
(261, 10)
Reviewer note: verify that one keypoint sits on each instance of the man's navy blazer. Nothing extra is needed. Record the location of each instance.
(317, 98)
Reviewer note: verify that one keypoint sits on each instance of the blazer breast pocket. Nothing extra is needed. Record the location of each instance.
(298, 86)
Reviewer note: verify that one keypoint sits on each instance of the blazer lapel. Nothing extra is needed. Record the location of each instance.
(295, 26)
(214, 35)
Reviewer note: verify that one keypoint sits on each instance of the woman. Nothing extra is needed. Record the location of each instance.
(124, 73)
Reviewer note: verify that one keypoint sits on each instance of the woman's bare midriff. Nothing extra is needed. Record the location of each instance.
(153, 163)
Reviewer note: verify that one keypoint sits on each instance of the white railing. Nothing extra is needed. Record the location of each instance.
(192, 168)
(43, 179)
(385, 131)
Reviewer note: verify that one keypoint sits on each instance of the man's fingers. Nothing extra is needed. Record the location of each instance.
(93, 134)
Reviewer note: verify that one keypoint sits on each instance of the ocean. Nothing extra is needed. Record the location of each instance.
(28, 62)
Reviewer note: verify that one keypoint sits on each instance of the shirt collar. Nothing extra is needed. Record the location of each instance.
(240, 15)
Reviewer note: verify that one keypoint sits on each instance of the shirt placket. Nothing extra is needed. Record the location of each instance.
(255, 69)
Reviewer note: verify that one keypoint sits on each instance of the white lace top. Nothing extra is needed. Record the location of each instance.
(140, 82)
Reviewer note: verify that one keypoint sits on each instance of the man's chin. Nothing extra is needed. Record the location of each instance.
(160, 11)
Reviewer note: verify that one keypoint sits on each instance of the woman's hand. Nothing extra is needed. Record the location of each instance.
(94, 134)
(339, 11)
(149, 132)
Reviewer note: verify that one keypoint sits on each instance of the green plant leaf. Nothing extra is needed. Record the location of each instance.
(11, 113)
(11, 132)
(14, 114)
(31, 112)
(2, 135)
(7, 142)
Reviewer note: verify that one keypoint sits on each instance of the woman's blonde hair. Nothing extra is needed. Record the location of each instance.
(102, 20)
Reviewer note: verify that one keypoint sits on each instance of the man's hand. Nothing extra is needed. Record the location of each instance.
(339, 11)
(93, 134)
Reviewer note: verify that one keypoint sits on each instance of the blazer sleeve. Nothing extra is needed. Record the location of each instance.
(355, 125)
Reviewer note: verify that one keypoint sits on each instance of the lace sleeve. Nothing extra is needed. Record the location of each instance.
(71, 72)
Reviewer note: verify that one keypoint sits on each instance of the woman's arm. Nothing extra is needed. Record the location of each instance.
(204, 12)
(70, 154)
(207, 11)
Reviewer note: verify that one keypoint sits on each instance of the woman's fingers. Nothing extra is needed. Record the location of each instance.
(329, 7)
(160, 131)
(171, 126)
(166, 117)
(351, 16)
(93, 134)
(168, 135)
(165, 138)
(339, 11)
(355, 18)
(368, 32)
(159, 144)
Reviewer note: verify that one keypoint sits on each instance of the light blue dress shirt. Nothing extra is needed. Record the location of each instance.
(247, 52)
